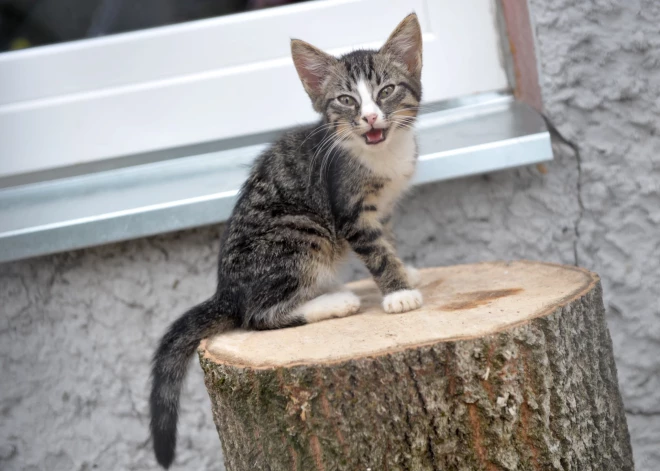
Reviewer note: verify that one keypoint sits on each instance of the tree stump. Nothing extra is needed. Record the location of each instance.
(508, 366)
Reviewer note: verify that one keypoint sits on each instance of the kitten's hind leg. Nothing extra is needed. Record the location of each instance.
(294, 313)
(328, 306)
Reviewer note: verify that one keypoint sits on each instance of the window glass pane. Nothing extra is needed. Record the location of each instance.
(28, 23)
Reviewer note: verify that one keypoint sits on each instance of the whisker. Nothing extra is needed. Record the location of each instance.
(322, 127)
(407, 124)
(325, 165)
(403, 122)
(324, 143)
(339, 137)
(410, 119)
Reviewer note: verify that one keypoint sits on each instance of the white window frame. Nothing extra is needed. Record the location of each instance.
(121, 95)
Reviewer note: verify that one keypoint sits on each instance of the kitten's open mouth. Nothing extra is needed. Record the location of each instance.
(375, 136)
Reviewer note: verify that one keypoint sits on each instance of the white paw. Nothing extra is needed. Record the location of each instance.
(327, 306)
(346, 303)
(402, 301)
(414, 276)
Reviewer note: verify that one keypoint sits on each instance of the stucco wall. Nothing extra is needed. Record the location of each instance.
(600, 78)
(77, 329)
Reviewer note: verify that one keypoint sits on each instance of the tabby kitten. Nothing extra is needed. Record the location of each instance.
(313, 195)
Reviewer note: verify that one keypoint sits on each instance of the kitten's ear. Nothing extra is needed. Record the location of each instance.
(313, 66)
(405, 44)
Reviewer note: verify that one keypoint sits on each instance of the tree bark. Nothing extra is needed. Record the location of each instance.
(508, 366)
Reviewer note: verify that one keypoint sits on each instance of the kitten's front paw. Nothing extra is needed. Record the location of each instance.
(414, 276)
(402, 301)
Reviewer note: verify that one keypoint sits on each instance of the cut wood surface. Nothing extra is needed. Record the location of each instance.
(508, 366)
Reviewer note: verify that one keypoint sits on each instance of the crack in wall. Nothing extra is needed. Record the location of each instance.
(554, 132)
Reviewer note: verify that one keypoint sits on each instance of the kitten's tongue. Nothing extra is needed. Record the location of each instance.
(375, 135)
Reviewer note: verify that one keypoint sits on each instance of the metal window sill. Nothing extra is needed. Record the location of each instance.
(142, 200)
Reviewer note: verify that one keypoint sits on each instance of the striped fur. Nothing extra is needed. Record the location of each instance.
(316, 193)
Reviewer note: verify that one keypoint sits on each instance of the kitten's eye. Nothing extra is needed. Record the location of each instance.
(385, 92)
(346, 100)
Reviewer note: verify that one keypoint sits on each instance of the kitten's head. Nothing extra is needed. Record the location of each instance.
(366, 96)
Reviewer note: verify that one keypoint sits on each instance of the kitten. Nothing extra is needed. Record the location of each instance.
(313, 195)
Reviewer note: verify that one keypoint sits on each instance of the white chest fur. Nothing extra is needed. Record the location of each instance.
(395, 161)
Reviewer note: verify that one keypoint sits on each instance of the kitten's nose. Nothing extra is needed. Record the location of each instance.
(370, 118)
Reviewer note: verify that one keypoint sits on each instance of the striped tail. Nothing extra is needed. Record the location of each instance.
(170, 364)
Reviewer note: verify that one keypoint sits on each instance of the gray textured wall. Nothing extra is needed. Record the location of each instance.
(77, 329)
(600, 77)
